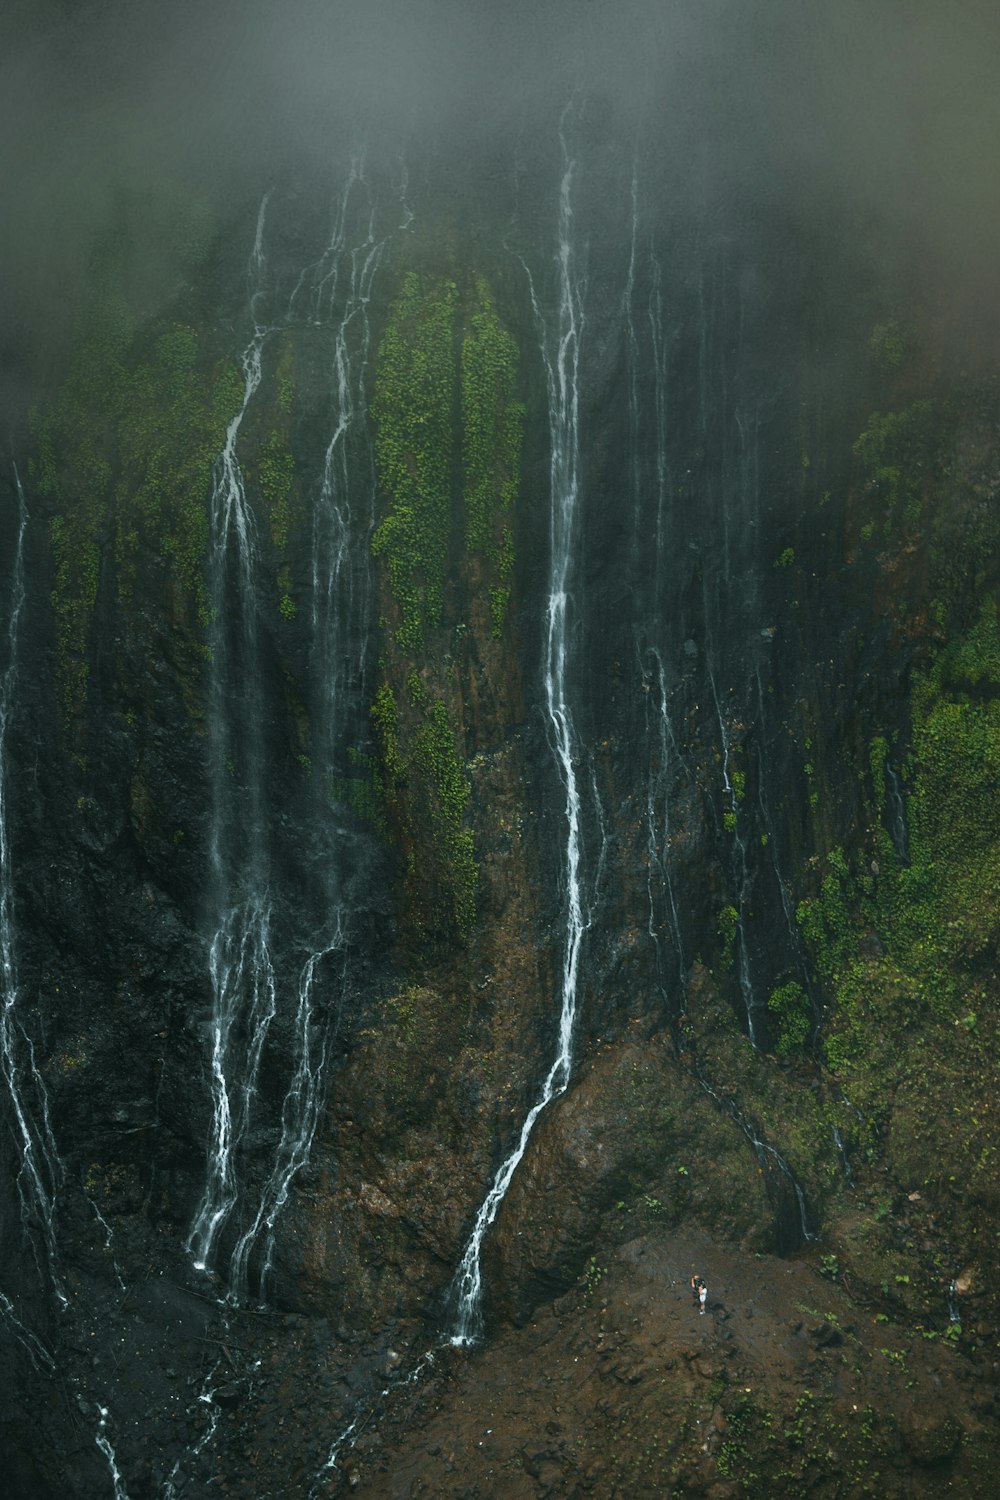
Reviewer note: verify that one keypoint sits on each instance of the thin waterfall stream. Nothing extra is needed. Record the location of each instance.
(560, 349)
(40, 1173)
(240, 963)
(248, 993)
(499, 731)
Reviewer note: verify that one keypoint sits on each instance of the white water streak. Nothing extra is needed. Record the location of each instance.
(120, 1492)
(33, 1346)
(359, 1421)
(335, 529)
(336, 287)
(240, 965)
(658, 825)
(335, 534)
(40, 1173)
(560, 353)
(299, 1117)
(742, 873)
(765, 1152)
(108, 1242)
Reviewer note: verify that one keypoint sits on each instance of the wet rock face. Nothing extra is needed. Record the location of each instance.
(730, 658)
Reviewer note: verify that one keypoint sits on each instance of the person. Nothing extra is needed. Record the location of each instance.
(696, 1286)
(702, 1297)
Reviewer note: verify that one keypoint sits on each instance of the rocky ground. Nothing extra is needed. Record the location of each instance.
(619, 1388)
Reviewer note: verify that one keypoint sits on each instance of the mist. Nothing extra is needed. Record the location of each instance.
(884, 116)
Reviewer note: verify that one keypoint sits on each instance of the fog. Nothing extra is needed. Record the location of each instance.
(876, 112)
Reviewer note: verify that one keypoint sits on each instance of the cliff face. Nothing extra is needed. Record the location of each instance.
(519, 694)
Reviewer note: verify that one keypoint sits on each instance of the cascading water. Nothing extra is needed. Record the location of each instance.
(771, 839)
(741, 870)
(663, 907)
(104, 1443)
(767, 1155)
(36, 1351)
(339, 288)
(560, 350)
(334, 290)
(40, 1173)
(240, 964)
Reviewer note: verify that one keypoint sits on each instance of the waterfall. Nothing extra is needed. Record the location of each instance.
(36, 1351)
(103, 1442)
(662, 902)
(741, 870)
(248, 994)
(240, 962)
(40, 1173)
(343, 517)
(560, 351)
(347, 469)
(766, 1154)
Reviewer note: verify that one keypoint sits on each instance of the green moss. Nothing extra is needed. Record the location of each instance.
(385, 718)
(499, 600)
(492, 431)
(74, 473)
(413, 409)
(435, 755)
(274, 469)
(446, 424)
(125, 454)
(900, 454)
(888, 345)
(363, 790)
(425, 793)
(791, 1015)
(284, 379)
(728, 923)
(414, 439)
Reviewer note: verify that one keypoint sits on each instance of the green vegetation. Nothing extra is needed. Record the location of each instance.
(904, 927)
(727, 923)
(362, 790)
(425, 794)
(446, 424)
(413, 412)
(124, 459)
(938, 916)
(792, 1016)
(888, 345)
(274, 469)
(492, 432)
(900, 456)
(73, 471)
(448, 788)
